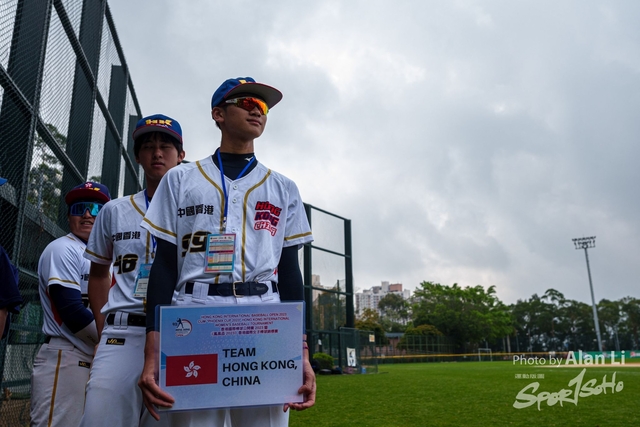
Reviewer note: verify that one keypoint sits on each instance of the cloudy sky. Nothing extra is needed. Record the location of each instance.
(467, 141)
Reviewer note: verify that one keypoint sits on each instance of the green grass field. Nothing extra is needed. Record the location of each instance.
(469, 394)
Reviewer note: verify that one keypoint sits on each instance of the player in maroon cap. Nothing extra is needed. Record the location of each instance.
(61, 368)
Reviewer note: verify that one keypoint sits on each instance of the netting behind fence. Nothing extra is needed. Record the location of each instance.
(66, 108)
(328, 272)
(353, 351)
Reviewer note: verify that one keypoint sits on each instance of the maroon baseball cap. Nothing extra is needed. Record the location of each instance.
(88, 191)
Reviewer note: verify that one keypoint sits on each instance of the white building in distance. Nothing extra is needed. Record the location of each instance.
(371, 297)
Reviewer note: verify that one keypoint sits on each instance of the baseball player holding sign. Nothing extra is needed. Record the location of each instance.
(228, 199)
(61, 368)
(118, 303)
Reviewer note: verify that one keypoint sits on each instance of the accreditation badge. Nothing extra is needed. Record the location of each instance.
(220, 253)
(142, 281)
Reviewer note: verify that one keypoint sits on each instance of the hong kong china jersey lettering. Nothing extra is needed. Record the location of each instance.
(116, 238)
(264, 211)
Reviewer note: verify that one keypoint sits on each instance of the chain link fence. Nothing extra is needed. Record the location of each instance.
(353, 350)
(67, 108)
(404, 348)
(328, 279)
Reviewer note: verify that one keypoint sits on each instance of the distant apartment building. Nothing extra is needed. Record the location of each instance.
(370, 298)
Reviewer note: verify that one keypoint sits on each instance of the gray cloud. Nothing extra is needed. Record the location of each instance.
(468, 142)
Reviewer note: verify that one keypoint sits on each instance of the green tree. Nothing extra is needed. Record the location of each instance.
(395, 312)
(555, 301)
(610, 317)
(631, 320)
(536, 320)
(469, 315)
(552, 322)
(329, 309)
(576, 321)
(370, 321)
(418, 338)
(45, 176)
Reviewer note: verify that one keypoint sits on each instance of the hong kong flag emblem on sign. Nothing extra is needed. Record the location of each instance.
(192, 369)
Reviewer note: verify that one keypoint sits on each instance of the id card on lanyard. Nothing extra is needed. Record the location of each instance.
(221, 248)
(220, 254)
(142, 280)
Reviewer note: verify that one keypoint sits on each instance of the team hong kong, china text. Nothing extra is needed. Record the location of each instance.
(253, 366)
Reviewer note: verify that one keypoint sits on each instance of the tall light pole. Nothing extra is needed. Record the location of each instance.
(586, 243)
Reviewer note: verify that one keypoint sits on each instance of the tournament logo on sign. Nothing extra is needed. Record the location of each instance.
(183, 327)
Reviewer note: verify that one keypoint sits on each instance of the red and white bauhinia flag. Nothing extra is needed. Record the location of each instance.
(192, 369)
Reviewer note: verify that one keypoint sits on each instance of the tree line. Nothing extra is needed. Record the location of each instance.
(474, 317)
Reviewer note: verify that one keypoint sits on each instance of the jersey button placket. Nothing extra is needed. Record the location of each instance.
(232, 219)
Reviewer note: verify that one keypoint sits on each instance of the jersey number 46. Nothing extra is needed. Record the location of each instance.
(125, 263)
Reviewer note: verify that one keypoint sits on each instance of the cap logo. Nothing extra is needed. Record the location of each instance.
(242, 81)
(88, 185)
(158, 122)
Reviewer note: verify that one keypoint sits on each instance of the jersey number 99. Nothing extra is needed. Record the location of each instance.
(196, 242)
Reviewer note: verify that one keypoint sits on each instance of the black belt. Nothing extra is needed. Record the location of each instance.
(47, 339)
(235, 289)
(132, 319)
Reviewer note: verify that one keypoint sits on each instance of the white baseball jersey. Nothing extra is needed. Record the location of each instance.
(62, 263)
(265, 213)
(118, 238)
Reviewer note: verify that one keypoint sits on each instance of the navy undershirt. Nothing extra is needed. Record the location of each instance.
(234, 163)
(68, 304)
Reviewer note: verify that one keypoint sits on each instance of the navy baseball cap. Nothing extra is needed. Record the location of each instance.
(246, 86)
(158, 123)
(88, 191)
(2, 181)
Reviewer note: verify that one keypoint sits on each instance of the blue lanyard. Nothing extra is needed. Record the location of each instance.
(153, 239)
(224, 188)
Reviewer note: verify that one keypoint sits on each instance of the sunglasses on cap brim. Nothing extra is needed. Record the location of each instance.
(249, 103)
(79, 208)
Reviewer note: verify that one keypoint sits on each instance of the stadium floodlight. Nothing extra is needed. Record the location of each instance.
(586, 243)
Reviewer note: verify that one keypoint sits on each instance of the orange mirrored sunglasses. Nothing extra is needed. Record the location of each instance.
(249, 103)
